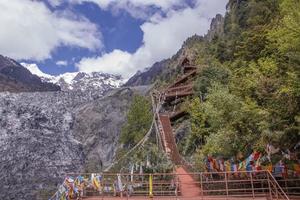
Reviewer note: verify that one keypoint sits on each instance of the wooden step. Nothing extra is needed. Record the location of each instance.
(169, 140)
(184, 78)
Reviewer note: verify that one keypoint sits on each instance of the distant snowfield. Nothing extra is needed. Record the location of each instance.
(79, 80)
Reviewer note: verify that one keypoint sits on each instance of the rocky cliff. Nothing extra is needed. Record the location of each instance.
(45, 135)
(16, 78)
(216, 28)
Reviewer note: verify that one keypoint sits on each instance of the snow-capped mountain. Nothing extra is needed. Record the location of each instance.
(16, 78)
(94, 82)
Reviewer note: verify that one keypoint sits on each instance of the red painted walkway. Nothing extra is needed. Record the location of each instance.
(188, 187)
(177, 198)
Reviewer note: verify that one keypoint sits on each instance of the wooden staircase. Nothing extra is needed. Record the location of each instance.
(168, 139)
(184, 79)
(190, 187)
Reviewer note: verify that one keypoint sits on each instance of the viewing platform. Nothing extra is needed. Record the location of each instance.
(182, 185)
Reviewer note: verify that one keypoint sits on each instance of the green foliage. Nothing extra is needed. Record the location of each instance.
(208, 76)
(249, 93)
(139, 118)
(251, 96)
(157, 160)
(225, 124)
(287, 33)
(246, 29)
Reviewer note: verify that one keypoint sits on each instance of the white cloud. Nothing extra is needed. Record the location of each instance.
(163, 36)
(104, 4)
(114, 62)
(31, 31)
(62, 63)
(136, 8)
(55, 3)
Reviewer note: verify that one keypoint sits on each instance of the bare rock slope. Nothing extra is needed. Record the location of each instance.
(45, 135)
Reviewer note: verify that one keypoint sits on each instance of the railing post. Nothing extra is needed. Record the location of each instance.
(276, 193)
(127, 179)
(151, 186)
(226, 185)
(201, 183)
(269, 185)
(286, 186)
(103, 180)
(177, 185)
(252, 186)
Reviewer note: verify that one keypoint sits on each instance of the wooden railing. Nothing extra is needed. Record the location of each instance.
(218, 185)
(291, 186)
(276, 191)
(253, 185)
(179, 88)
(133, 185)
(184, 78)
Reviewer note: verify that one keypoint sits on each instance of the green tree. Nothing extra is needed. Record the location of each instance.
(286, 34)
(139, 118)
(209, 76)
(225, 124)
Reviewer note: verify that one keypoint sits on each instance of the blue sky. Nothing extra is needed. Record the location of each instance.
(118, 32)
(113, 36)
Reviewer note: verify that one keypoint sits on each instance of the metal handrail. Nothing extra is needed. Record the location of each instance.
(277, 186)
(222, 184)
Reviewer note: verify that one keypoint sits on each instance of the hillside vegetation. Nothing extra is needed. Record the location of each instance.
(248, 88)
(249, 95)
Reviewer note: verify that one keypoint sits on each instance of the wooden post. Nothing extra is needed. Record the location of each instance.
(226, 184)
(269, 185)
(176, 189)
(103, 180)
(252, 186)
(201, 183)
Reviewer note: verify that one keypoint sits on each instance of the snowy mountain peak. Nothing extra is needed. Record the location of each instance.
(95, 82)
(34, 69)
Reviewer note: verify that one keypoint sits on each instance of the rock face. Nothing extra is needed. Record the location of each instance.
(98, 125)
(15, 78)
(149, 75)
(182, 130)
(216, 28)
(45, 135)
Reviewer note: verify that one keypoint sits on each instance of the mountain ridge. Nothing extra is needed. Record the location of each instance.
(97, 83)
(16, 78)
